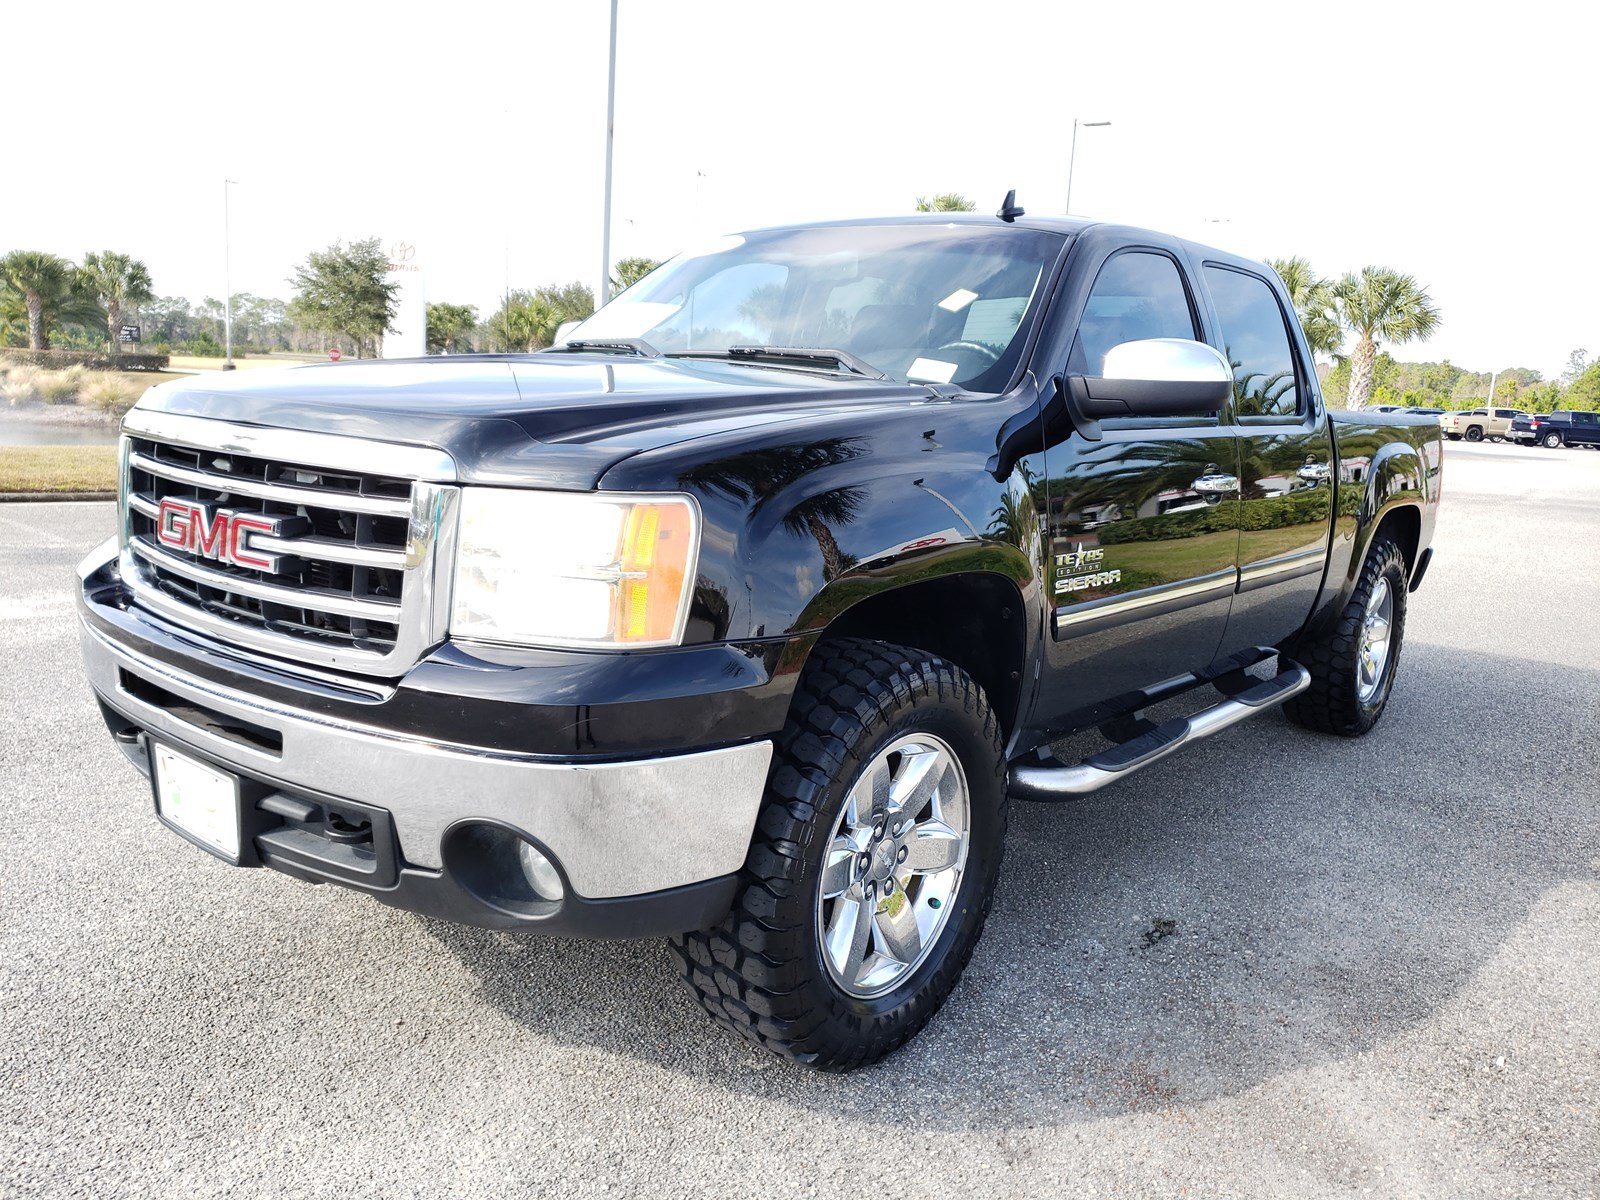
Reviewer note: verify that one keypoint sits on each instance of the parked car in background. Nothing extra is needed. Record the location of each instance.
(1425, 412)
(1556, 429)
(1478, 423)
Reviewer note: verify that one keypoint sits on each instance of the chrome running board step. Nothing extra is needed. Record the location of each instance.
(1054, 780)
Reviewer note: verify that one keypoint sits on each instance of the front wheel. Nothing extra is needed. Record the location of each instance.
(1552, 441)
(873, 864)
(1353, 662)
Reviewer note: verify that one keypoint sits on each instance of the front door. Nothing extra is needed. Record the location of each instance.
(1143, 524)
(1285, 448)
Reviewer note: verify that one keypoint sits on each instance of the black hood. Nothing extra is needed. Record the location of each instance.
(560, 420)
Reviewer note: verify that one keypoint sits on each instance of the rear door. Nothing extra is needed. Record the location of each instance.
(1585, 429)
(1285, 459)
(1143, 523)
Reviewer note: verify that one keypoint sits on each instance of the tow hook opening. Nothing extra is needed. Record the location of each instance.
(336, 827)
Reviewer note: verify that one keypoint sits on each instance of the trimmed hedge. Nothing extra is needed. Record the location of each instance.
(95, 360)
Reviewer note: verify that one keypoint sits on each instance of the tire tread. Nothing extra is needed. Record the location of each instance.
(751, 972)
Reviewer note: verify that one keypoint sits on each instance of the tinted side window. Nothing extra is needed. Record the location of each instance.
(1137, 295)
(1585, 418)
(1257, 344)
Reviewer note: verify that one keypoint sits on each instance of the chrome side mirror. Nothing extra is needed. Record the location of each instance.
(1156, 377)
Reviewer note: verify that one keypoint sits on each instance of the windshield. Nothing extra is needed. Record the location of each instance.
(926, 303)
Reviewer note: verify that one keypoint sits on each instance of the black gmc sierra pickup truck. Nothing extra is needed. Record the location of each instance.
(737, 615)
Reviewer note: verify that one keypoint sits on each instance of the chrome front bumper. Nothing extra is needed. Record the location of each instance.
(618, 828)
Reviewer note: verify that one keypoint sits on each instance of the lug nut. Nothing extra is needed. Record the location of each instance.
(888, 886)
(872, 889)
(866, 861)
(901, 857)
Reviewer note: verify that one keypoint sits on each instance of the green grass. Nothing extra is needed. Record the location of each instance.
(58, 469)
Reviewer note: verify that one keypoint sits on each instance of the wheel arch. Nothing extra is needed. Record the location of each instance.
(978, 620)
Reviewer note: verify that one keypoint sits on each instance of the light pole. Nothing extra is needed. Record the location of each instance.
(227, 283)
(604, 293)
(1072, 158)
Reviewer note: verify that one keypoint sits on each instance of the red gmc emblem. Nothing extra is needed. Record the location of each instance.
(199, 528)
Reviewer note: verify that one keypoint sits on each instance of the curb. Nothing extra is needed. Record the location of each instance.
(47, 497)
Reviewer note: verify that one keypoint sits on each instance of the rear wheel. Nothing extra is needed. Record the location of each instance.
(1353, 662)
(1475, 433)
(1552, 441)
(873, 863)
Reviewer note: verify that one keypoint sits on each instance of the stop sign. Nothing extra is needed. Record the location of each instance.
(335, 354)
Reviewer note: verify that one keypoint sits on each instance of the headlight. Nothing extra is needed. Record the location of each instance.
(573, 569)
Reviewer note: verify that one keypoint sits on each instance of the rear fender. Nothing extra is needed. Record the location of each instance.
(1391, 485)
(1396, 479)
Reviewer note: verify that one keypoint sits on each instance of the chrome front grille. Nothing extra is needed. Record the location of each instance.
(359, 561)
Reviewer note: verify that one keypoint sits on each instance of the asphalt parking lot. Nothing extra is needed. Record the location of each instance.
(1382, 976)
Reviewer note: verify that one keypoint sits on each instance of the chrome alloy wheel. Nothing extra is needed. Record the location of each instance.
(893, 865)
(1376, 628)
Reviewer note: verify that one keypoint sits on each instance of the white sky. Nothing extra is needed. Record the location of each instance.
(1452, 141)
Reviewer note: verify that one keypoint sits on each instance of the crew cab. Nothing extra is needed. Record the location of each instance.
(741, 615)
(1479, 423)
(1557, 429)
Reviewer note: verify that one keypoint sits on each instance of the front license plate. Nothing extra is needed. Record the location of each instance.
(197, 800)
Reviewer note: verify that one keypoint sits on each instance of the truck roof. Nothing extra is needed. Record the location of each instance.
(1053, 224)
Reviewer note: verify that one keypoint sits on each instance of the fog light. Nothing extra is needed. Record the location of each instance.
(540, 872)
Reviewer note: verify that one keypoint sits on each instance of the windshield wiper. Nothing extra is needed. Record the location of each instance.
(621, 345)
(805, 356)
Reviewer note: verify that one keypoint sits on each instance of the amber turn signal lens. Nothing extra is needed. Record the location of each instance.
(657, 541)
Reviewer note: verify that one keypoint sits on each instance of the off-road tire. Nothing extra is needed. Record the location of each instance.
(760, 973)
(1333, 704)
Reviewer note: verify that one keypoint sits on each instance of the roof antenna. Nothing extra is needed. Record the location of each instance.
(1009, 211)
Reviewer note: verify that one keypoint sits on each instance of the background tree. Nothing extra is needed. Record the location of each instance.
(529, 320)
(1313, 304)
(115, 280)
(45, 285)
(1379, 303)
(344, 290)
(629, 271)
(1583, 393)
(571, 301)
(945, 202)
(447, 323)
(1577, 362)
(524, 322)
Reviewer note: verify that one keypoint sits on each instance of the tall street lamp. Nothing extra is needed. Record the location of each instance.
(604, 293)
(1072, 159)
(227, 285)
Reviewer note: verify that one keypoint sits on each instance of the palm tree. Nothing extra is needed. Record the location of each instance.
(1376, 303)
(1313, 304)
(447, 324)
(945, 202)
(44, 281)
(114, 280)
